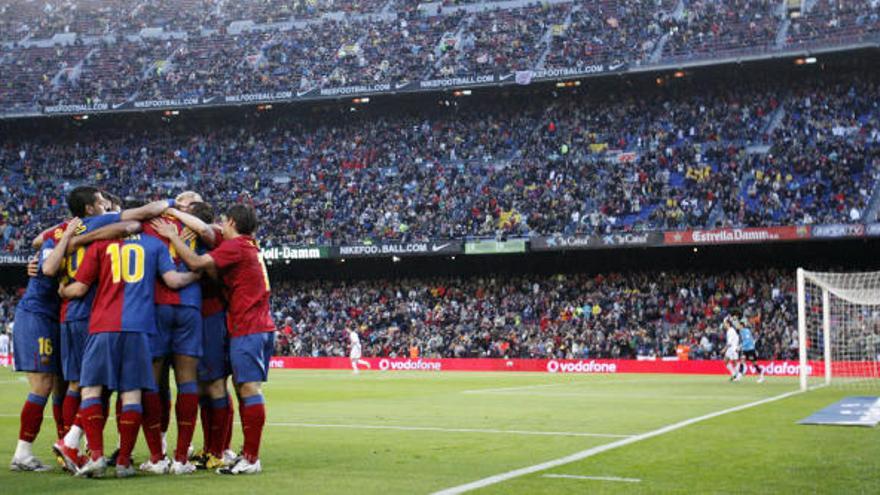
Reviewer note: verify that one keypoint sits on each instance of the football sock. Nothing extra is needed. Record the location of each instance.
(205, 418)
(69, 409)
(165, 397)
(31, 417)
(186, 410)
(253, 417)
(152, 425)
(219, 418)
(92, 416)
(129, 424)
(58, 415)
(230, 418)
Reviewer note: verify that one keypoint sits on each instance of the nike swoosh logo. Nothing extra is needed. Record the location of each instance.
(504, 78)
(117, 105)
(436, 248)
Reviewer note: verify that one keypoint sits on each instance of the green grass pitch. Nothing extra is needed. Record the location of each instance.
(418, 432)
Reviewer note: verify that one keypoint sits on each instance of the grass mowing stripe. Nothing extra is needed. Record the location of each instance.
(625, 396)
(498, 478)
(453, 430)
(422, 428)
(593, 478)
(509, 389)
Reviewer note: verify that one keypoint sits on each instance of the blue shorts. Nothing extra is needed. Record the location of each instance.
(250, 355)
(178, 331)
(74, 335)
(119, 361)
(35, 340)
(214, 363)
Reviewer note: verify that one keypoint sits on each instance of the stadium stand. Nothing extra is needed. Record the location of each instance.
(565, 316)
(710, 28)
(728, 155)
(66, 53)
(834, 21)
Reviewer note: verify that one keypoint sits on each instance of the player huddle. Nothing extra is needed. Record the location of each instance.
(118, 298)
(740, 347)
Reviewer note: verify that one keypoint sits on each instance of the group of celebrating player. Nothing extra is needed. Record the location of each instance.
(740, 348)
(118, 298)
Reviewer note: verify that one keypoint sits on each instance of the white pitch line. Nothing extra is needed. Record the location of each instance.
(451, 430)
(509, 389)
(426, 428)
(612, 395)
(594, 478)
(578, 456)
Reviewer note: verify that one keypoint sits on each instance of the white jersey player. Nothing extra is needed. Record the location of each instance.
(355, 352)
(731, 350)
(4, 350)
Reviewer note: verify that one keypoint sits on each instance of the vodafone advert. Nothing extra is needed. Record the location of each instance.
(556, 366)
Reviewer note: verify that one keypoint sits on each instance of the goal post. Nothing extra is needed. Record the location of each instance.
(838, 329)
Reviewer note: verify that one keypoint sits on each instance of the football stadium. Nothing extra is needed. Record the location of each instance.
(440, 247)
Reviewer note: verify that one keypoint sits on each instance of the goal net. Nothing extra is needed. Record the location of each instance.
(839, 328)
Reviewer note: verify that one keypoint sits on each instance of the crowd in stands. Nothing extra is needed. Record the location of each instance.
(834, 20)
(709, 27)
(399, 43)
(609, 33)
(623, 160)
(614, 315)
(8, 299)
(502, 41)
(21, 19)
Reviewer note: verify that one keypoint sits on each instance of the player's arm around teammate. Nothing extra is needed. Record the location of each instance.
(117, 352)
(251, 328)
(52, 263)
(70, 241)
(203, 230)
(213, 367)
(145, 212)
(172, 279)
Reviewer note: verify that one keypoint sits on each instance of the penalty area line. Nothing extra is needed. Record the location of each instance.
(578, 456)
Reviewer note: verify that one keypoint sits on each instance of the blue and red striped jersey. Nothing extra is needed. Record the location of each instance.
(212, 290)
(191, 295)
(41, 294)
(79, 309)
(247, 286)
(126, 271)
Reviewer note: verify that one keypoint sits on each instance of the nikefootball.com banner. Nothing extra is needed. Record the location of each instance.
(393, 249)
(554, 366)
(13, 259)
(340, 91)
